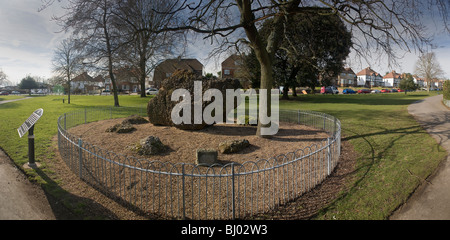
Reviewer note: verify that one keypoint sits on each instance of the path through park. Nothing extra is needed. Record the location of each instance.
(431, 201)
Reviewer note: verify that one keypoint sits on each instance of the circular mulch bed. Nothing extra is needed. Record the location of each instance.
(182, 145)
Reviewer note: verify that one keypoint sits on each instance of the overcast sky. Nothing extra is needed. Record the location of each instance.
(28, 39)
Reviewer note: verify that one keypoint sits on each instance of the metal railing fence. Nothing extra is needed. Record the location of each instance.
(187, 191)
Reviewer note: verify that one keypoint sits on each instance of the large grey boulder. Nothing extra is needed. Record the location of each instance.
(159, 108)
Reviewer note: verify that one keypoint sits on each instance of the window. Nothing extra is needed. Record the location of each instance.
(226, 72)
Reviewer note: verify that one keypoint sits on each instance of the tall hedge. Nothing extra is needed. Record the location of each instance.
(447, 89)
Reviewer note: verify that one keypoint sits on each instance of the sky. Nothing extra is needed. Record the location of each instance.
(28, 39)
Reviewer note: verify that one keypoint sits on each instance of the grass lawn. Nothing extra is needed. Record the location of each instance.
(396, 154)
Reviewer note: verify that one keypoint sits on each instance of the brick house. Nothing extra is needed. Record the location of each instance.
(347, 78)
(85, 84)
(127, 80)
(169, 66)
(231, 67)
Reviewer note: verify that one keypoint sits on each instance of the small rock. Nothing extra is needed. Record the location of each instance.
(121, 128)
(135, 119)
(113, 128)
(233, 146)
(151, 145)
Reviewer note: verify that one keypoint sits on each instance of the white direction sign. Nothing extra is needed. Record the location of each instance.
(30, 121)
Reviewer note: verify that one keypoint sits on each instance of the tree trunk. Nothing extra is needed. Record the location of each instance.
(142, 75)
(68, 83)
(285, 92)
(110, 61)
(264, 54)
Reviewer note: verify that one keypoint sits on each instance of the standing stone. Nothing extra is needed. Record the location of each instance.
(159, 108)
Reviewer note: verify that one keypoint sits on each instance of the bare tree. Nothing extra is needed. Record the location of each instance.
(96, 26)
(148, 44)
(66, 62)
(4, 78)
(380, 25)
(428, 67)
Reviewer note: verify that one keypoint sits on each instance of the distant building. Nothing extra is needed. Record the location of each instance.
(419, 81)
(231, 67)
(392, 79)
(347, 78)
(169, 66)
(127, 80)
(369, 78)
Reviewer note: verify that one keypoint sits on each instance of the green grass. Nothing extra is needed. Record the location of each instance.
(10, 97)
(396, 154)
(13, 114)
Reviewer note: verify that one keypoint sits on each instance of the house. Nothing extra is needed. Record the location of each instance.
(369, 78)
(419, 81)
(169, 66)
(85, 84)
(392, 79)
(127, 80)
(347, 78)
(231, 67)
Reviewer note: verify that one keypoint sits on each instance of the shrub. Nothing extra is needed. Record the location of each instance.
(447, 90)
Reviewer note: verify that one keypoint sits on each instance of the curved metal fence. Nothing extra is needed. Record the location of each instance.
(187, 191)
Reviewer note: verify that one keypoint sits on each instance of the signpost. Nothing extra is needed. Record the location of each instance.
(28, 126)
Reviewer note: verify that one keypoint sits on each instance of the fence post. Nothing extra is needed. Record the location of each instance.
(329, 155)
(80, 154)
(233, 203)
(183, 191)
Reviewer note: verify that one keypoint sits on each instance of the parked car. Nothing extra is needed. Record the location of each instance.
(385, 90)
(375, 91)
(332, 90)
(15, 92)
(363, 91)
(401, 90)
(152, 91)
(394, 90)
(4, 93)
(348, 91)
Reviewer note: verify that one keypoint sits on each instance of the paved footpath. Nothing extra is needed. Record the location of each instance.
(431, 201)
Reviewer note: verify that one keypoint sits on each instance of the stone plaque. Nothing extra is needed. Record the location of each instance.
(206, 157)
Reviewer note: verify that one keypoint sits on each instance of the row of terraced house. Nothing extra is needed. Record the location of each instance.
(231, 67)
(369, 78)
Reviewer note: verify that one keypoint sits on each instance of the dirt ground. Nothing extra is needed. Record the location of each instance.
(182, 144)
(92, 204)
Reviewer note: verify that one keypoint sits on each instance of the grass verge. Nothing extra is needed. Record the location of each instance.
(396, 153)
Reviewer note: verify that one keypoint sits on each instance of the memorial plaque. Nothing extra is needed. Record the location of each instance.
(30, 122)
